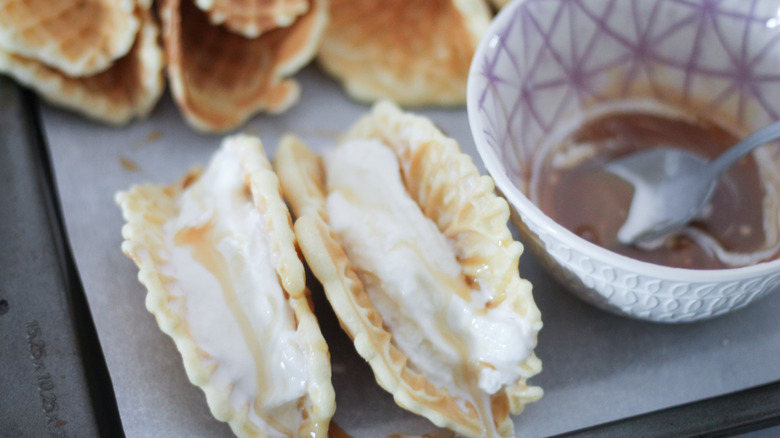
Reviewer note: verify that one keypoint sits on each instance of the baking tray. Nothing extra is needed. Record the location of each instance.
(53, 379)
(604, 375)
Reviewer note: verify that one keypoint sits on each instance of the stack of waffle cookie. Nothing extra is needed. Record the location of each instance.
(98, 57)
(227, 60)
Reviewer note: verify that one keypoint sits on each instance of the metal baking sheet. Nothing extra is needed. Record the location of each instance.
(53, 381)
(598, 367)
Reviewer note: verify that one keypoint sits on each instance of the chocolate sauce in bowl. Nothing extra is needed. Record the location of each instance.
(575, 191)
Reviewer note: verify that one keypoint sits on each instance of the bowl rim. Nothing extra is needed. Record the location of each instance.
(518, 200)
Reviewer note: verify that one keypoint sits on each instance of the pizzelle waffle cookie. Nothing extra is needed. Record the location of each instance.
(77, 37)
(410, 51)
(251, 18)
(218, 257)
(440, 313)
(129, 88)
(219, 79)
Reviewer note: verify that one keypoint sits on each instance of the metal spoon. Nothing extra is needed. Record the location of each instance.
(671, 186)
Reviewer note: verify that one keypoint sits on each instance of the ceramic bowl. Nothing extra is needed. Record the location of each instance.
(545, 63)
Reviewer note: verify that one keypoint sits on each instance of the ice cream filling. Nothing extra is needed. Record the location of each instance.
(437, 318)
(220, 265)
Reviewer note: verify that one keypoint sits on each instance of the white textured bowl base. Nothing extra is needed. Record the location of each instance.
(637, 295)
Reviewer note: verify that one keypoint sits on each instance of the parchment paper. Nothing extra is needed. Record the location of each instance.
(598, 367)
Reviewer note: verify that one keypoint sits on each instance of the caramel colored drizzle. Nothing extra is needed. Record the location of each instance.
(458, 285)
(154, 136)
(202, 241)
(129, 164)
(466, 376)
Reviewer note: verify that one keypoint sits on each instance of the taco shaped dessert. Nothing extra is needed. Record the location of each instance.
(130, 83)
(413, 251)
(218, 257)
(219, 79)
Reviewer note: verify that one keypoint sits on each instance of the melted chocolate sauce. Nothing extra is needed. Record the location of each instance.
(594, 203)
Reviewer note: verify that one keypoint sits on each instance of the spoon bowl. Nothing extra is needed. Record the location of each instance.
(672, 186)
(546, 66)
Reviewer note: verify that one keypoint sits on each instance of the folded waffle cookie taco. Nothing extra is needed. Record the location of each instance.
(218, 257)
(129, 87)
(412, 248)
(219, 78)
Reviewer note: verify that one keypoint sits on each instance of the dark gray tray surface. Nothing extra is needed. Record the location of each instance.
(53, 380)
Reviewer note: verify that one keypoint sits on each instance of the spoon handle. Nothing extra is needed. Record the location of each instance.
(758, 138)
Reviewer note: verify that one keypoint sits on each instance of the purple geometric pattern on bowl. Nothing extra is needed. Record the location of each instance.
(719, 57)
(547, 62)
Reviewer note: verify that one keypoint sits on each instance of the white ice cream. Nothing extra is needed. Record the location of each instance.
(220, 265)
(414, 279)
